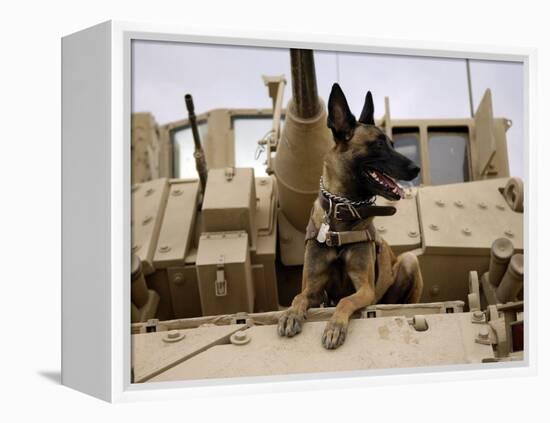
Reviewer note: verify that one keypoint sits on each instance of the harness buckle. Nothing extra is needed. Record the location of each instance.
(333, 239)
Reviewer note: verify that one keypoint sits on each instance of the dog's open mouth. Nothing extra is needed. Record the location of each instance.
(388, 186)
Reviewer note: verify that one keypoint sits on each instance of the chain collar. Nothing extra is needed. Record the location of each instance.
(333, 198)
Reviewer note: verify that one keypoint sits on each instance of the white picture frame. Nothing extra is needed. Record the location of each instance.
(96, 88)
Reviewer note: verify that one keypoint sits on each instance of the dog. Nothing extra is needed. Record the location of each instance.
(345, 259)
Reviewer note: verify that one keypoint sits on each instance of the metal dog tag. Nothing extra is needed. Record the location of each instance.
(322, 235)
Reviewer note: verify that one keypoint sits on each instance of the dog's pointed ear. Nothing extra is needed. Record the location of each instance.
(340, 119)
(367, 115)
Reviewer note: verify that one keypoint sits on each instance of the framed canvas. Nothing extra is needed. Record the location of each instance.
(266, 213)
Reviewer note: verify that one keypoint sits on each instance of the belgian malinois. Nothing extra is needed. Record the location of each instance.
(345, 260)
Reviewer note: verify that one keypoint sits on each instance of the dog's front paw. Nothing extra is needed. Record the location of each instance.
(290, 323)
(334, 335)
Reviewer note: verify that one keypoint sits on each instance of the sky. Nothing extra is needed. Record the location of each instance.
(221, 76)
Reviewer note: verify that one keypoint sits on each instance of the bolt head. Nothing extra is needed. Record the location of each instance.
(172, 334)
(459, 204)
(500, 207)
(240, 338)
(413, 234)
(478, 315)
(434, 227)
(440, 203)
(467, 231)
(509, 233)
(482, 205)
(484, 332)
(164, 248)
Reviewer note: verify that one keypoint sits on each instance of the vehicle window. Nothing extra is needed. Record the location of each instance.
(448, 157)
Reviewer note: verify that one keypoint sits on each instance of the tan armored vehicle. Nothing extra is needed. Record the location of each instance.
(218, 249)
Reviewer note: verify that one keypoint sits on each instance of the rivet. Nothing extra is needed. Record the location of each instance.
(509, 233)
(149, 192)
(177, 192)
(178, 278)
(434, 227)
(459, 204)
(482, 205)
(500, 207)
(440, 203)
(413, 234)
(466, 231)
(408, 194)
(164, 249)
(381, 229)
(435, 290)
(263, 181)
(484, 333)
(146, 220)
(135, 248)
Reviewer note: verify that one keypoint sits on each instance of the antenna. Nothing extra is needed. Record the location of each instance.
(469, 78)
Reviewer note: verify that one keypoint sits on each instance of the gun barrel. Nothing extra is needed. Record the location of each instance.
(200, 161)
(304, 83)
(305, 139)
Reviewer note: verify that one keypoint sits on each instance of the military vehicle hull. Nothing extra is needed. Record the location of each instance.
(217, 258)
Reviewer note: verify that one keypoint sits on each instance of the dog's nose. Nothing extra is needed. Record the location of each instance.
(413, 170)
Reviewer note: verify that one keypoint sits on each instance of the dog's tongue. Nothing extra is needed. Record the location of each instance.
(390, 183)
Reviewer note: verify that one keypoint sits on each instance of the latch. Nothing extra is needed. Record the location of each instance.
(221, 282)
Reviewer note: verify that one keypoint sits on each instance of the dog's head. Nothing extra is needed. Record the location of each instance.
(369, 157)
